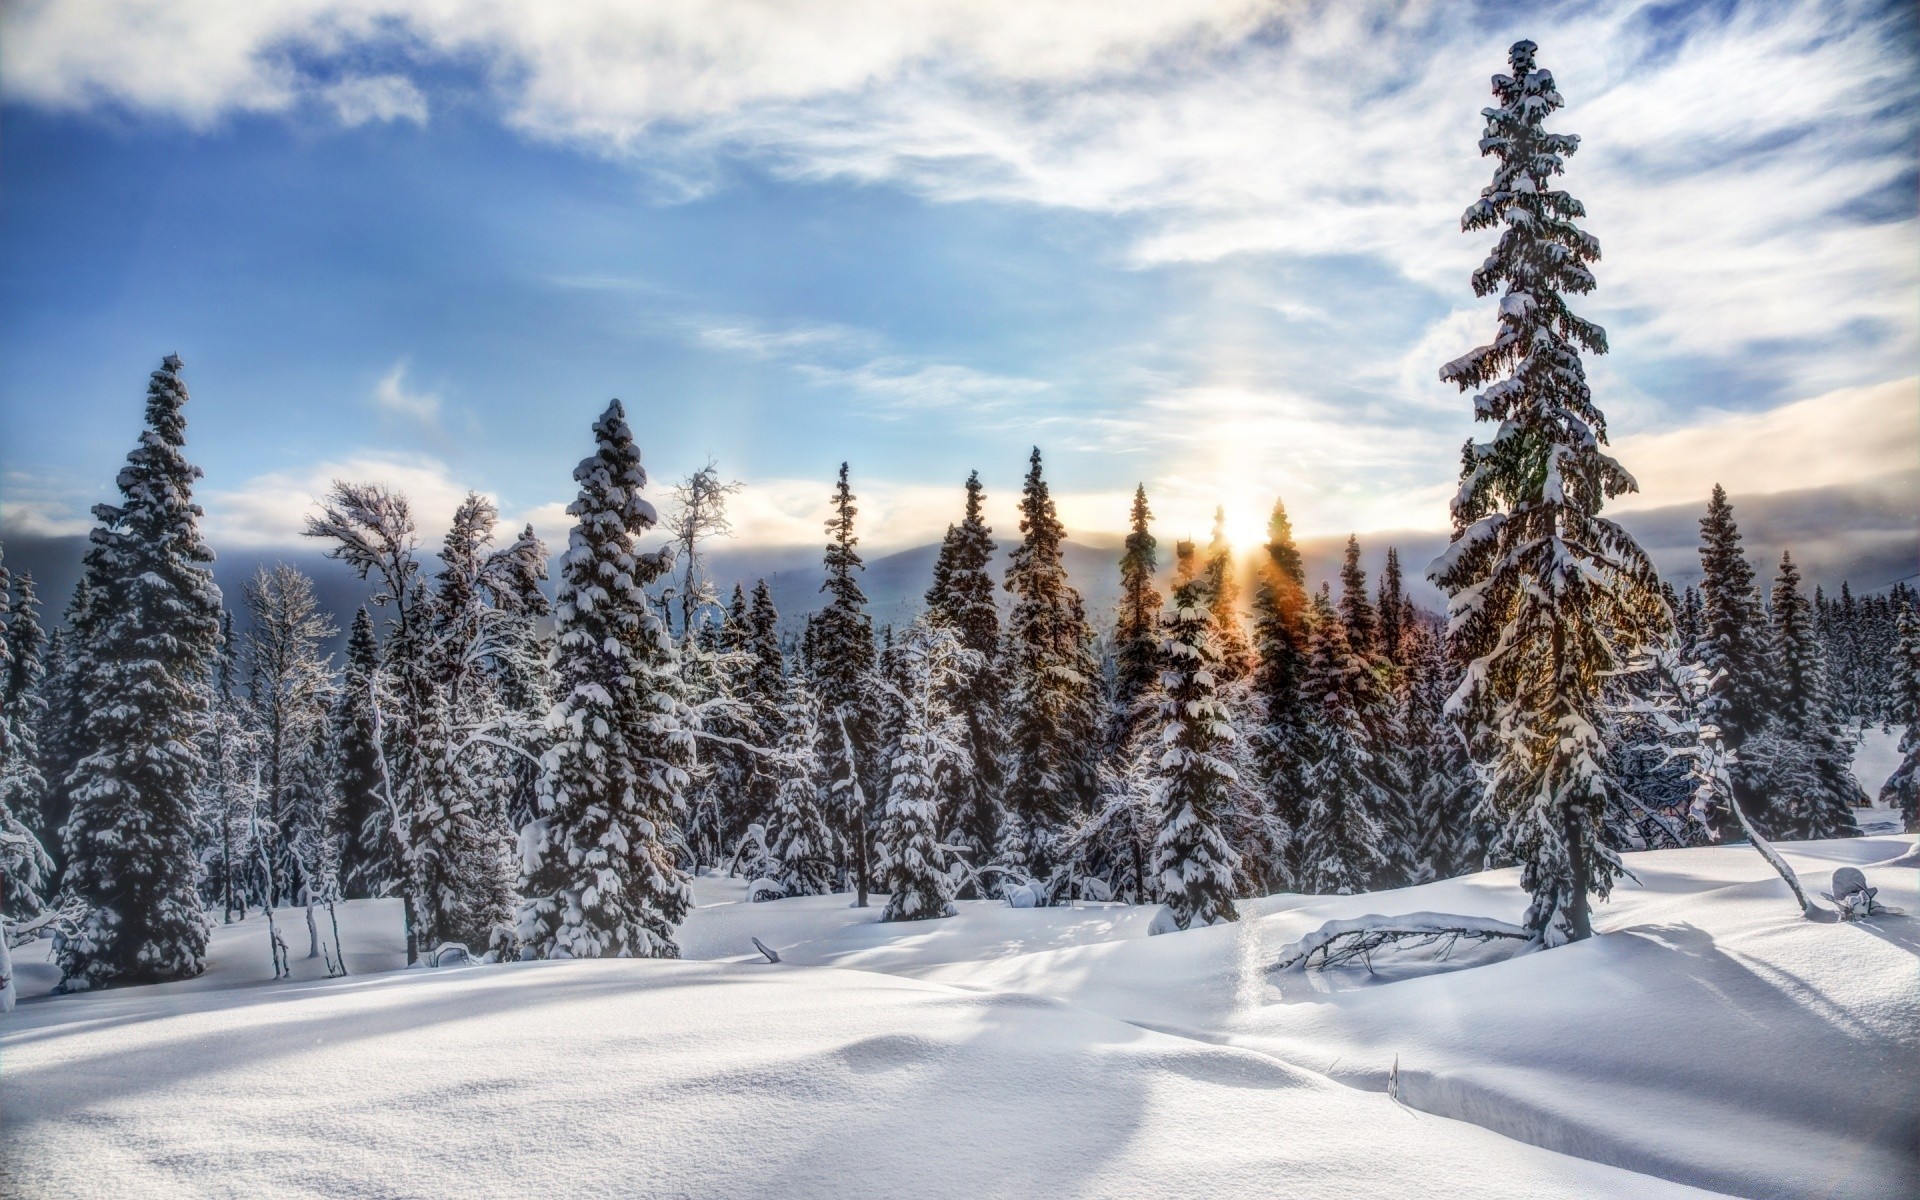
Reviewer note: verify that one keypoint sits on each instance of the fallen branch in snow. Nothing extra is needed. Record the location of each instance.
(1810, 909)
(1341, 942)
(772, 955)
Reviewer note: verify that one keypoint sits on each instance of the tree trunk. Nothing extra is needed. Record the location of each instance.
(1579, 911)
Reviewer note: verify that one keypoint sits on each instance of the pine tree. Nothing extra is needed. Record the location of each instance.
(1362, 619)
(842, 655)
(1340, 834)
(1733, 648)
(763, 690)
(798, 835)
(598, 878)
(149, 646)
(23, 707)
(1902, 788)
(1194, 866)
(1280, 737)
(1802, 760)
(1223, 600)
(1051, 687)
(1395, 610)
(1136, 633)
(1382, 741)
(1547, 596)
(962, 599)
(360, 821)
(912, 864)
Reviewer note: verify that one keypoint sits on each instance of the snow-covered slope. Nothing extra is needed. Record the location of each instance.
(1709, 1036)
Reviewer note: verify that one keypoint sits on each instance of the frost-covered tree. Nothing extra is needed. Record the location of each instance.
(1732, 646)
(359, 820)
(1194, 865)
(598, 878)
(149, 643)
(1136, 631)
(1283, 715)
(1356, 610)
(1547, 596)
(1442, 794)
(1802, 760)
(962, 599)
(289, 690)
(1223, 601)
(1902, 788)
(799, 838)
(1367, 690)
(1052, 687)
(913, 866)
(228, 790)
(842, 657)
(699, 514)
(1341, 839)
(63, 738)
(23, 706)
(1396, 611)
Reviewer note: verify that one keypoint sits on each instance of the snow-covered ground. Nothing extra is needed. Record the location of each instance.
(1709, 1037)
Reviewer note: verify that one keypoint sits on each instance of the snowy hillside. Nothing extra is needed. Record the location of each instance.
(1709, 1038)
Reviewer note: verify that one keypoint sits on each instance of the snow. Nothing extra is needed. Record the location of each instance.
(1709, 1036)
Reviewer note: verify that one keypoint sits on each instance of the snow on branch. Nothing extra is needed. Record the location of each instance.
(1339, 943)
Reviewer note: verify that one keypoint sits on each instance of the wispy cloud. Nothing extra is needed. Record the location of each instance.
(393, 396)
(363, 98)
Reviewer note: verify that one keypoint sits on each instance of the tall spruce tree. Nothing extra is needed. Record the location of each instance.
(63, 740)
(799, 838)
(1447, 833)
(1362, 619)
(1802, 760)
(913, 865)
(1051, 685)
(1279, 738)
(360, 821)
(1732, 646)
(1396, 611)
(1136, 631)
(149, 646)
(962, 599)
(1223, 601)
(763, 691)
(1194, 865)
(1382, 740)
(23, 707)
(598, 879)
(1902, 788)
(1547, 596)
(842, 657)
(1340, 837)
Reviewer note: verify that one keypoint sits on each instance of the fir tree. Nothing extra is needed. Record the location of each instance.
(798, 836)
(913, 866)
(1194, 866)
(962, 599)
(1051, 687)
(1284, 717)
(1732, 646)
(1802, 761)
(1547, 596)
(842, 657)
(1340, 834)
(1902, 788)
(598, 878)
(1382, 742)
(763, 690)
(1362, 619)
(360, 821)
(1446, 831)
(1396, 611)
(1223, 601)
(150, 643)
(23, 708)
(1136, 633)
(63, 740)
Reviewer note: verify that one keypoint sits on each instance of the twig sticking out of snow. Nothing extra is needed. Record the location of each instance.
(773, 956)
(1813, 910)
(1341, 942)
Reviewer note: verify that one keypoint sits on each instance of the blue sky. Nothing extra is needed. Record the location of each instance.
(1211, 246)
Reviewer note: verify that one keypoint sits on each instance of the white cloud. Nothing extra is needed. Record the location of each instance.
(900, 386)
(393, 396)
(363, 98)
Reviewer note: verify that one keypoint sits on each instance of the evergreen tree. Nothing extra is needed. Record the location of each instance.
(1396, 611)
(63, 739)
(1194, 866)
(1051, 685)
(598, 878)
(149, 647)
(1136, 633)
(1340, 834)
(1382, 741)
(1902, 788)
(913, 866)
(1362, 619)
(1547, 596)
(23, 707)
(1803, 759)
(842, 657)
(1223, 601)
(227, 795)
(1447, 837)
(288, 692)
(1688, 624)
(1732, 647)
(762, 689)
(962, 599)
(360, 820)
(1280, 739)
(798, 836)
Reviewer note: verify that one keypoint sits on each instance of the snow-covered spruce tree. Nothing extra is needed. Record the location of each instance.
(762, 690)
(360, 819)
(1902, 788)
(1369, 690)
(23, 707)
(597, 876)
(1193, 863)
(798, 835)
(1802, 760)
(1442, 792)
(150, 645)
(1281, 728)
(912, 865)
(1223, 600)
(1052, 686)
(842, 658)
(1362, 619)
(962, 599)
(1733, 648)
(63, 739)
(1136, 631)
(1396, 612)
(289, 689)
(228, 791)
(1340, 840)
(1547, 596)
